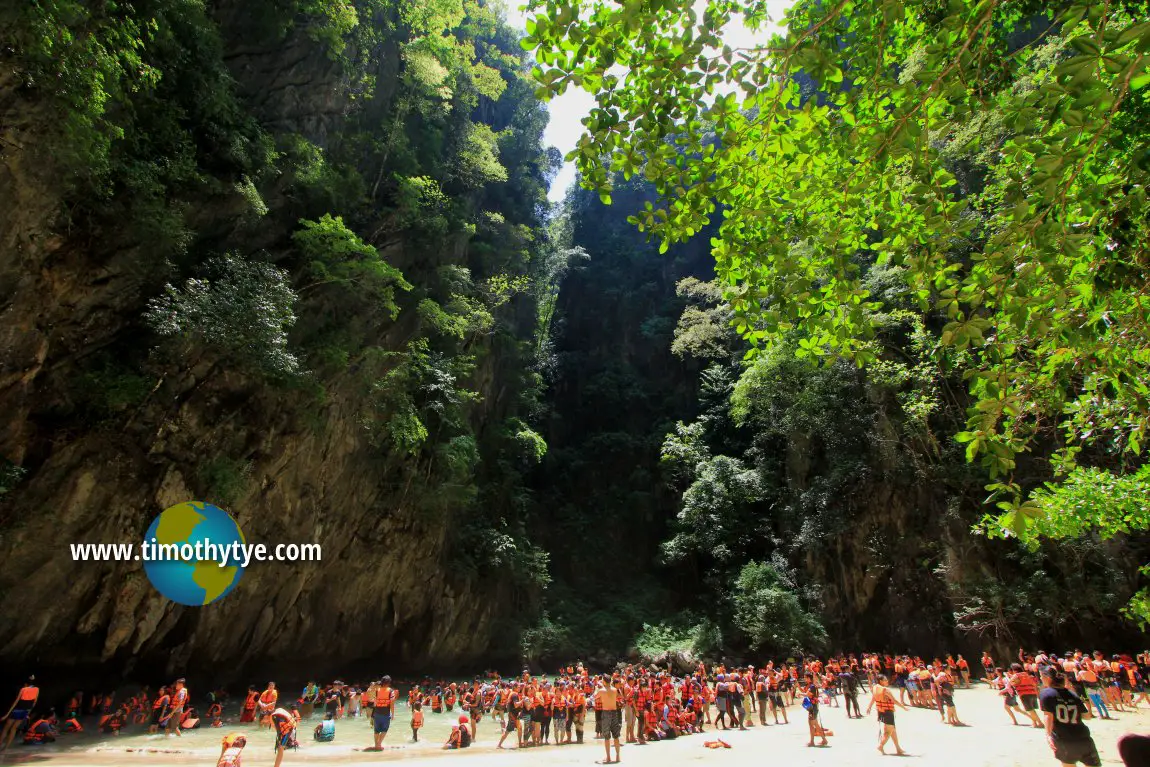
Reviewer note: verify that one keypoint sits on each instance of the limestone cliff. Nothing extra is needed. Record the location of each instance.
(105, 423)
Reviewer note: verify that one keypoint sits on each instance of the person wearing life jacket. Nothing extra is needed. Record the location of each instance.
(180, 697)
(308, 699)
(42, 730)
(248, 710)
(384, 710)
(1026, 686)
(325, 730)
(460, 736)
(266, 704)
(963, 671)
(75, 705)
(72, 725)
(284, 724)
(884, 702)
(160, 710)
(19, 711)
(114, 722)
(449, 698)
(231, 749)
(215, 711)
(190, 719)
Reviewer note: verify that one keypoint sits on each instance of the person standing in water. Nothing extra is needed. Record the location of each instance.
(283, 721)
(308, 699)
(19, 711)
(882, 699)
(607, 698)
(384, 709)
(267, 704)
(176, 707)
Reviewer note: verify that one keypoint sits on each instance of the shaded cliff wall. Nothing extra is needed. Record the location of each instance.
(104, 426)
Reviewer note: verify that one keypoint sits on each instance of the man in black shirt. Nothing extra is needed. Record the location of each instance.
(1064, 711)
(849, 684)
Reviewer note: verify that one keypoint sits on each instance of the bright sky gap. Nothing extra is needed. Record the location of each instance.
(567, 111)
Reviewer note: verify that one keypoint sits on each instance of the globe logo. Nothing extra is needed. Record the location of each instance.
(187, 553)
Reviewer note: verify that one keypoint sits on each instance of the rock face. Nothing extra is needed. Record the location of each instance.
(383, 594)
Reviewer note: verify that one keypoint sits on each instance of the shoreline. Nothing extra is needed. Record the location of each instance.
(987, 740)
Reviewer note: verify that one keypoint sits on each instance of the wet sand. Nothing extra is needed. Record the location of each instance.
(989, 741)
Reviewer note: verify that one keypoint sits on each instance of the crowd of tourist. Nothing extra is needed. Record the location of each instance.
(640, 704)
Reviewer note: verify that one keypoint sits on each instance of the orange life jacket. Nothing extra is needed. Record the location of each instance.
(384, 698)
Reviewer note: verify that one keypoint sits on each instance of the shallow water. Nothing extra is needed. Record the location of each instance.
(203, 743)
(989, 740)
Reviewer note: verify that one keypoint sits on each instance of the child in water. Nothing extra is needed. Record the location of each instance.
(232, 747)
(325, 730)
(416, 721)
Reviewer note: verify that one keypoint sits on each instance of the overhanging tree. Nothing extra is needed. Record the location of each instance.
(996, 150)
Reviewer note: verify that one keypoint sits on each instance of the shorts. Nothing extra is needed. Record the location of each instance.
(156, 714)
(1075, 751)
(19, 714)
(946, 700)
(1029, 702)
(777, 699)
(283, 741)
(611, 724)
(1011, 701)
(886, 717)
(511, 724)
(381, 722)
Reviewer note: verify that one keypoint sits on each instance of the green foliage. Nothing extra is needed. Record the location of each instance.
(1066, 586)
(337, 256)
(332, 21)
(224, 479)
(109, 387)
(10, 476)
(479, 157)
(841, 135)
(703, 328)
(241, 309)
(770, 614)
(716, 510)
(700, 638)
(533, 446)
(461, 316)
(256, 205)
(1090, 499)
(544, 639)
(419, 394)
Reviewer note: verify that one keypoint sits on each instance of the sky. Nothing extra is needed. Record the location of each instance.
(564, 129)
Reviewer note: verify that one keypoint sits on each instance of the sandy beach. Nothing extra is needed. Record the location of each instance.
(989, 740)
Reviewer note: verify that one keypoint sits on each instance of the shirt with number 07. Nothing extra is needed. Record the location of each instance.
(1068, 710)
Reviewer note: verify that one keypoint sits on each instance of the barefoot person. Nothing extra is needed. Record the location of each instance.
(1026, 686)
(1064, 712)
(19, 711)
(176, 707)
(384, 709)
(607, 698)
(882, 700)
(267, 704)
(284, 723)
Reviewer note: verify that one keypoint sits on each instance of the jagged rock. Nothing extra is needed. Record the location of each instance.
(680, 661)
(383, 591)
